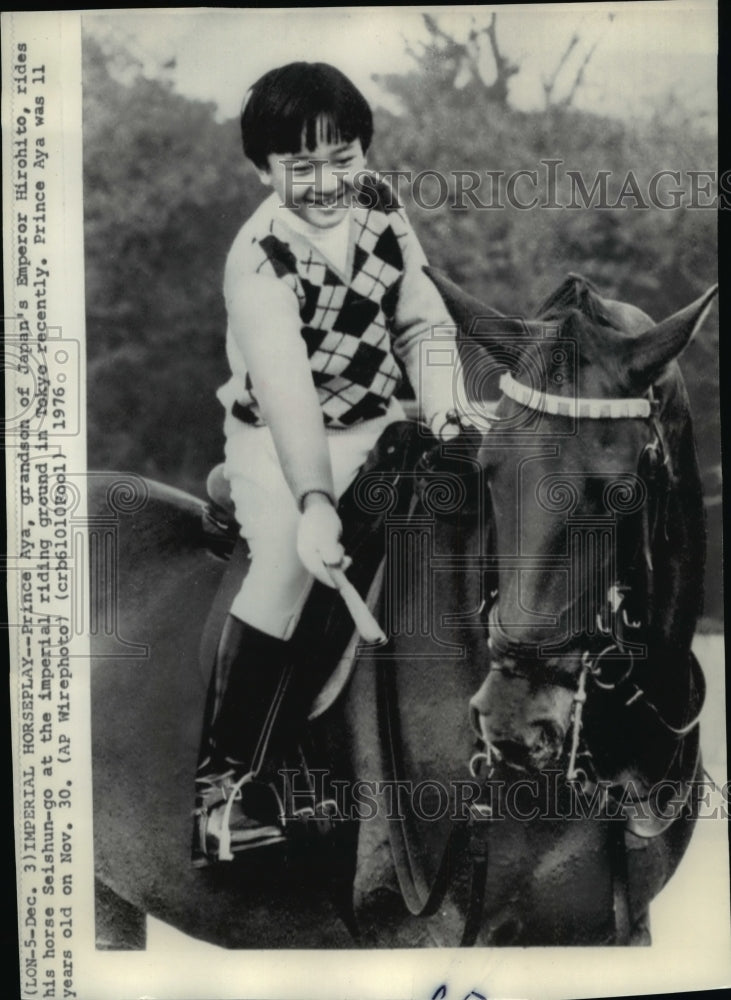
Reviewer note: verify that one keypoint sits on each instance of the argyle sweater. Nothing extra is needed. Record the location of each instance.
(355, 323)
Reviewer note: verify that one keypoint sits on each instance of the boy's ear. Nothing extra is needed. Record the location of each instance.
(265, 176)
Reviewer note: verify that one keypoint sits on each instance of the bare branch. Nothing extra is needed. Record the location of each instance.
(579, 79)
(408, 49)
(549, 85)
(436, 32)
(505, 69)
(462, 60)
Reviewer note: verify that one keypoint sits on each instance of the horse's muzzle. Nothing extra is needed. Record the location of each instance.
(526, 726)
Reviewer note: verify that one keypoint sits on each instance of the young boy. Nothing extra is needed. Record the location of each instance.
(324, 290)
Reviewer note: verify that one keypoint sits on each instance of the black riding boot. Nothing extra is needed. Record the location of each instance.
(236, 808)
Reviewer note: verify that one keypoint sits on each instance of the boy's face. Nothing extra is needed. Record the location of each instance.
(316, 184)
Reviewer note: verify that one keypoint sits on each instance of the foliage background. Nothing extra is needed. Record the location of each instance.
(167, 188)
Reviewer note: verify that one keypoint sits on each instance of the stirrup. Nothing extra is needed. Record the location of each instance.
(215, 799)
(320, 819)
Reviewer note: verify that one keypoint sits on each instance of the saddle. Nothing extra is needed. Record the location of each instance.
(406, 459)
(403, 461)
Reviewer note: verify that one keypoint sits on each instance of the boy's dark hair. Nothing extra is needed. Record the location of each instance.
(286, 103)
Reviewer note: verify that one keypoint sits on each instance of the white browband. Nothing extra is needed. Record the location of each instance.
(568, 406)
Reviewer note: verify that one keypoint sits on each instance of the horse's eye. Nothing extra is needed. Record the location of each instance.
(603, 320)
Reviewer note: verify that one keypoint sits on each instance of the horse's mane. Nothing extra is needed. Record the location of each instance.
(574, 294)
(580, 314)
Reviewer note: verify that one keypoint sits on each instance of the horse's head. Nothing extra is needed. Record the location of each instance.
(583, 422)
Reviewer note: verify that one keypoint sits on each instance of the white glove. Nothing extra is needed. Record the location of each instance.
(318, 539)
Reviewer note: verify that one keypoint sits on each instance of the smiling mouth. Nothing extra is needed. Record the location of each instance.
(336, 201)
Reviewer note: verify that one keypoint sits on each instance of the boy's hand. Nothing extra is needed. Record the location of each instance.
(318, 538)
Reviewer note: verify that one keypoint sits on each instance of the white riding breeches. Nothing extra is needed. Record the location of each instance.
(277, 585)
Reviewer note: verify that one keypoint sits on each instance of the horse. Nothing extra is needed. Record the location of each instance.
(437, 868)
(162, 578)
(599, 538)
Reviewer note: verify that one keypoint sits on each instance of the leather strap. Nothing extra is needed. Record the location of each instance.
(620, 884)
(478, 824)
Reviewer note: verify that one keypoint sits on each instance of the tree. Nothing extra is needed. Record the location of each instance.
(464, 61)
(165, 192)
(657, 258)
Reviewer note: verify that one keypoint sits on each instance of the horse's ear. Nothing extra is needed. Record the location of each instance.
(476, 319)
(653, 350)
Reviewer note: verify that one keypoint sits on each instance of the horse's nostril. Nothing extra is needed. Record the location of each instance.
(513, 752)
(548, 735)
(542, 743)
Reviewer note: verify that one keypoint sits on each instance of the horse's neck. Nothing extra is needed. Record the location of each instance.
(680, 542)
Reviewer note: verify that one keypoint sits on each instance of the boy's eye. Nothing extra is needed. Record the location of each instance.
(306, 166)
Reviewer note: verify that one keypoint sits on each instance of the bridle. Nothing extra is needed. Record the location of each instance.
(655, 470)
(578, 408)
